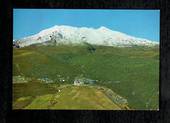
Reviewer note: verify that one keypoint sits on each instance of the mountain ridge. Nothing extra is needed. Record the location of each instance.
(77, 35)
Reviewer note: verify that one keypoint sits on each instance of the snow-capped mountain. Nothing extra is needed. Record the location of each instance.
(78, 35)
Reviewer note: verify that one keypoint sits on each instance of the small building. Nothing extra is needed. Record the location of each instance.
(78, 82)
(82, 81)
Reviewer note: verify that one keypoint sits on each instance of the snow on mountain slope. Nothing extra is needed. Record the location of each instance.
(74, 35)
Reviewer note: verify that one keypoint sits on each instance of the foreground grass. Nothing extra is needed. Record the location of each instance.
(69, 97)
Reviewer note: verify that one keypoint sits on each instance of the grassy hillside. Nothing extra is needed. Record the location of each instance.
(131, 72)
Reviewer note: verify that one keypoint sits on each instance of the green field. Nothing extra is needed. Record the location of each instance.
(131, 72)
(70, 97)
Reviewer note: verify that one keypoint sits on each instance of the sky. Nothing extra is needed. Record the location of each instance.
(138, 23)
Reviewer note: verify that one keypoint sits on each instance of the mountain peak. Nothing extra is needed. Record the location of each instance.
(77, 35)
(104, 28)
(54, 28)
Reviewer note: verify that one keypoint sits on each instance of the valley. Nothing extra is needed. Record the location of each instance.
(39, 72)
